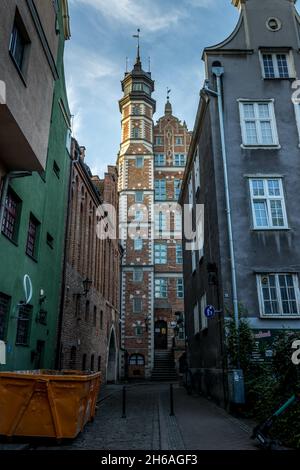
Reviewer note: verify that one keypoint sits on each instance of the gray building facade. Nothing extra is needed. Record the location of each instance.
(258, 65)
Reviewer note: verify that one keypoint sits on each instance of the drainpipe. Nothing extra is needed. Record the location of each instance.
(7, 178)
(219, 72)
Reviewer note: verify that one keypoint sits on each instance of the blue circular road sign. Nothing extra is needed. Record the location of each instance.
(209, 311)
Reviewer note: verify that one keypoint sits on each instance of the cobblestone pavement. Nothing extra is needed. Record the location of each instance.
(197, 425)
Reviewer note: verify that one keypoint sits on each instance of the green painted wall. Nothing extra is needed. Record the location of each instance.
(46, 198)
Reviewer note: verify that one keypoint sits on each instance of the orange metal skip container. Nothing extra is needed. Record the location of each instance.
(46, 403)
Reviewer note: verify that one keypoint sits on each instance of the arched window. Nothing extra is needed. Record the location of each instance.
(137, 360)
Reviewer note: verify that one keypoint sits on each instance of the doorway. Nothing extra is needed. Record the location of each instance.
(112, 359)
(161, 335)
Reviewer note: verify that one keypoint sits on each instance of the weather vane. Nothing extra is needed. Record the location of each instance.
(168, 93)
(137, 36)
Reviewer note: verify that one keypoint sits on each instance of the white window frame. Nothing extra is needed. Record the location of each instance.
(135, 133)
(266, 197)
(161, 253)
(158, 292)
(257, 119)
(278, 296)
(160, 221)
(290, 64)
(178, 140)
(179, 160)
(179, 249)
(177, 188)
(179, 288)
(204, 320)
(158, 141)
(159, 159)
(158, 182)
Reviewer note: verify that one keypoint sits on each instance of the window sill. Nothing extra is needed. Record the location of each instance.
(260, 147)
(18, 69)
(277, 79)
(14, 242)
(280, 317)
(32, 258)
(23, 345)
(272, 229)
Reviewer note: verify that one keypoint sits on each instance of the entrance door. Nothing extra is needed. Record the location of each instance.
(161, 335)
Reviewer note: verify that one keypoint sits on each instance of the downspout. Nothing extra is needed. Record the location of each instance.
(219, 72)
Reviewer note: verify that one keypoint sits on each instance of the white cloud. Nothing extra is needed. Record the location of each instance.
(145, 14)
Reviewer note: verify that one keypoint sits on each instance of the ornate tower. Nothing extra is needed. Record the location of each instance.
(136, 199)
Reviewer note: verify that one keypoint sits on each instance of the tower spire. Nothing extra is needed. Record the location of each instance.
(138, 58)
(168, 107)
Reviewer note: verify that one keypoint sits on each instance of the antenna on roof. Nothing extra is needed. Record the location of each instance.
(149, 64)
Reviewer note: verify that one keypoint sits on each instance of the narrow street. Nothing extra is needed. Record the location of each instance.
(198, 424)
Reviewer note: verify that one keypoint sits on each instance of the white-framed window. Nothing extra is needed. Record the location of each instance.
(276, 64)
(161, 189)
(135, 133)
(138, 275)
(179, 159)
(139, 162)
(161, 253)
(258, 123)
(161, 288)
(137, 305)
(139, 196)
(196, 319)
(196, 171)
(268, 205)
(177, 188)
(278, 295)
(158, 140)
(159, 159)
(137, 360)
(297, 113)
(179, 288)
(138, 216)
(178, 141)
(160, 221)
(138, 244)
(179, 254)
(178, 221)
(204, 321)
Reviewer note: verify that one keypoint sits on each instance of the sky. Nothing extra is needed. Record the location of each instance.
(173, 35)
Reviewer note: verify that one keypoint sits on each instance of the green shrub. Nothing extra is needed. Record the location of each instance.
(268, 384)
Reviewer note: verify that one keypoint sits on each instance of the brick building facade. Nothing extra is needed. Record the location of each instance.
(90, 319)
(151, 163)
